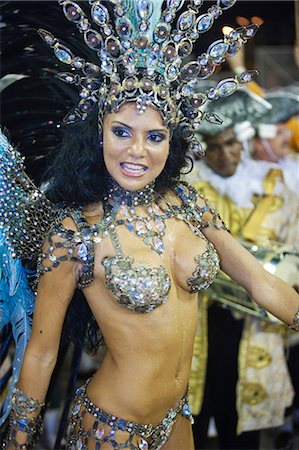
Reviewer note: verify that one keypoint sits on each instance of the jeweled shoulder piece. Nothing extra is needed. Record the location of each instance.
(25, 213)
(139, 48)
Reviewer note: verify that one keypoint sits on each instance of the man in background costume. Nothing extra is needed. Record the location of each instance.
(240, 391)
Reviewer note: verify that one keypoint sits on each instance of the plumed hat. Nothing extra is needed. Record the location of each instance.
(285, 104)
(244, 107)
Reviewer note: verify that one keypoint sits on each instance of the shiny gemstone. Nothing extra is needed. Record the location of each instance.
(91, 70)
(217, 49)
(47, 37)
(113, 47)
(171, 72)
(227, 3)
(63, 54)
(186, 410)
(89, 84)
(93, 39)
(247, 76)
(72, 11)
(186, 20)
(67, 77)
(86, 106)
(124, 27)
(99, 14)
(206, 71)
(159, 225)
(204, 23)
(226, 88)
(152, 61)
(78, 62)
(158, 244)
(145, 9)
(175, 4)
(191, 70)
(142, 444)
(198, 2)
(76, 410)
(107, 66)
(140, 227)
(251, 30)
(99, 433)
(162, 31)
(213, 118)
(185, 48)
(79, 444)
(168, 17)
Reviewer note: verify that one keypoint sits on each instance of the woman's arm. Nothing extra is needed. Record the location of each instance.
(269, 291)
(54, 293)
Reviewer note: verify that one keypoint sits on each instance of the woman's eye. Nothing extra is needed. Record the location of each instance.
(156, 137)
(121, 132)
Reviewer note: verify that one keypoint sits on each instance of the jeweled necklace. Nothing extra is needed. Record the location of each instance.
(120, 209)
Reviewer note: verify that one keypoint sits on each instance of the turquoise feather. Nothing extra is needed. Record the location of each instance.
(130, 7)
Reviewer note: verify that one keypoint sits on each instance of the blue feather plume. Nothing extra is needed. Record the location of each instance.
(16, 307)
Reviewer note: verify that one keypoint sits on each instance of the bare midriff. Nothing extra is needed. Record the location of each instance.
(146, 368)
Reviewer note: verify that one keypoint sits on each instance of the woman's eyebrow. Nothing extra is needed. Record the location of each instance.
(121, 123)
(148, 131)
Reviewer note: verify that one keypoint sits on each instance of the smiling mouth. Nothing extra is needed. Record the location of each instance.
(133, 169)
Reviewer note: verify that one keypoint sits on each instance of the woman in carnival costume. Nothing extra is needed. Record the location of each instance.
(118, 224)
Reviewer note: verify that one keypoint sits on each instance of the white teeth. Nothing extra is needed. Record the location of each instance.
(134, 167)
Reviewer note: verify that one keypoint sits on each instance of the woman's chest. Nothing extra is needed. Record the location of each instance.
(128, 259)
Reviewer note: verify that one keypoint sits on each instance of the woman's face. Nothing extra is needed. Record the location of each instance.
(135, 146)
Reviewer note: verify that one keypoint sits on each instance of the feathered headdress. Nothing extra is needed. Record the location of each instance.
(140, 47)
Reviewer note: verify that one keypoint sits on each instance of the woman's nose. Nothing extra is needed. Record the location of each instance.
(137, 148)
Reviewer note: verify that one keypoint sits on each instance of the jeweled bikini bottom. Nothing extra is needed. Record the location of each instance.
(92, 428)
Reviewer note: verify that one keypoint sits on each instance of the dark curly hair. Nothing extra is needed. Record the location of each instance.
(78, 177)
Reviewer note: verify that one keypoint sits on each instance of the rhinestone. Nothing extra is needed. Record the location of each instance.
(162, 31)
(204, 23)
(168, 17)
(247, 76)
(99, 14)
(227, 3)
(86, 105)
(91, 70)
(142, 42)
(124, 27)
(145, 9)
(67, 77)
(99, 433)
(113, 47)
(63, 54)
(171, 72)
(79, 444)
(143, 27)
(218, 49)
(76, 410)
(186, 20)
(185, 48)
(93, 39)
(226, 88)
(72, 11)
(142, 444)
(175, 4)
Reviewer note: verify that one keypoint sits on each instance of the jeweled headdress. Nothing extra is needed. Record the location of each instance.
(140, 48)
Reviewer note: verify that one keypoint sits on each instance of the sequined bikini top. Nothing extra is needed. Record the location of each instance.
(136, 286)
